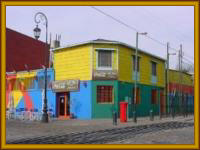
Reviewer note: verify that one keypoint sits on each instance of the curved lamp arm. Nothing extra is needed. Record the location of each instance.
(39, 16)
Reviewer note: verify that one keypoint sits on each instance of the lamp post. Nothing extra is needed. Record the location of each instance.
(136, 74)
(42, 17)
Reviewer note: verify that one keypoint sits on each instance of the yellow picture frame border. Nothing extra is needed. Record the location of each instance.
(100, 3)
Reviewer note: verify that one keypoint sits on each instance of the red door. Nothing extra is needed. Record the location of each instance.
(63, 105)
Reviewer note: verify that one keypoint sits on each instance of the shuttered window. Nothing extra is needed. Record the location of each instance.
(153, 68)
(137, 95)
(153, 96)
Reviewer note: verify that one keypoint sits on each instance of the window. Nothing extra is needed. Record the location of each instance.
(138, 63)
(137, 95)
(104, 59)
(153, 96)
(104, 94)
(153, 68)
(41, 82)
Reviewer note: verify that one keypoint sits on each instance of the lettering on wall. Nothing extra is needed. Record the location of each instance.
(65, 85)
(105, 74)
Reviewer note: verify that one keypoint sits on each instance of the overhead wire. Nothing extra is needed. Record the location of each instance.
(119, 21)
(189, 57)
(161, 20)
(187, 60)
(131, 27)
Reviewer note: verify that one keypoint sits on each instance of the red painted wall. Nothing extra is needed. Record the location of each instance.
(185, 88)
(22, 49)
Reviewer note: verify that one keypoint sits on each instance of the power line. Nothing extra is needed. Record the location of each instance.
(119, 21)
(130, 27)
(189, 57)
(188, 60)
(158, 19)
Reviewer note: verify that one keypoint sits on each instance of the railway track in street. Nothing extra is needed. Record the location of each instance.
(103, 136)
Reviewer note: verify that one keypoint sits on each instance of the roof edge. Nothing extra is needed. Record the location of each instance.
(108, 42)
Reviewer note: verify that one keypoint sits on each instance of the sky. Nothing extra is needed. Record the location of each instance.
(173, 24)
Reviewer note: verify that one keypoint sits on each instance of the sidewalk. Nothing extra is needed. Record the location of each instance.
(16, 129)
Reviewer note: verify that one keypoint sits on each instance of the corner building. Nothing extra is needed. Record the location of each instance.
(92, 78)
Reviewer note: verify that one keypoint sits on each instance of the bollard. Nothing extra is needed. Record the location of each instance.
(173, 113)
(134, 117)
(151, 115)
(114, 118)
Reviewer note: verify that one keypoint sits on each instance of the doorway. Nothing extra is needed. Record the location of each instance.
(162, 103)
(63, 105)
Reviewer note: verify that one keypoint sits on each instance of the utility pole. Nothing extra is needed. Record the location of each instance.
(179, 89)
(180, 79)
(167, 77)
(136, 76)
(167, 89)
(135, 85)
(181, 65)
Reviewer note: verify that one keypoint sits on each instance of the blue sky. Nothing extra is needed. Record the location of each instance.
(174, 24)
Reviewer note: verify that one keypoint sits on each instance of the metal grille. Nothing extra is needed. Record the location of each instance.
(104, 94)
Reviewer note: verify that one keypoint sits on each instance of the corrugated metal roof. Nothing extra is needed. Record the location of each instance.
(22, 51)
(104, 41)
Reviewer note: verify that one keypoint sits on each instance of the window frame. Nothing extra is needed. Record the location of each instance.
(97, 58)
(104, 102)
(152, 72)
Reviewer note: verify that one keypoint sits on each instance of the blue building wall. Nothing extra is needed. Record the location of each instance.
(80, 101)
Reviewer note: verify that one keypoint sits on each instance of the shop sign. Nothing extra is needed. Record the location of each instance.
(65, 85)
(105, 74)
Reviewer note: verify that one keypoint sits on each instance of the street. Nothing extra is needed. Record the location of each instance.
(165, 131)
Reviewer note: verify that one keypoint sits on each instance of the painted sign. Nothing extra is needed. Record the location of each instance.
(105, 74)
(65, 85)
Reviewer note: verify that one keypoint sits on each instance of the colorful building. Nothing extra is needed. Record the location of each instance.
(89, 80)
(181, 91)
(92, 78)
(24, 91)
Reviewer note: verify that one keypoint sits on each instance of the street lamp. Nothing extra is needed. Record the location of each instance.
(136, 75)
(42, 17)
(37, 32)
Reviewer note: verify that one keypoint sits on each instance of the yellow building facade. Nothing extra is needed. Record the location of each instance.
(81, 60)
(180, 78)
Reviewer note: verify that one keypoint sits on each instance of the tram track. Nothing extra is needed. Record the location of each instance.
(103, 136)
